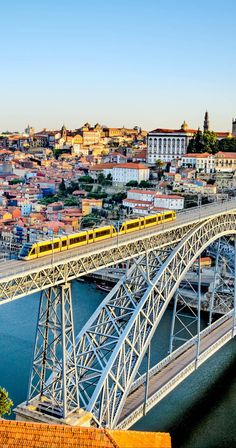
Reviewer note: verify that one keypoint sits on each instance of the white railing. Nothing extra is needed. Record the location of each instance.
(179, 351)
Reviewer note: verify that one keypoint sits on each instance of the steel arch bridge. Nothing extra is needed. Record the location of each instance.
(110, 348)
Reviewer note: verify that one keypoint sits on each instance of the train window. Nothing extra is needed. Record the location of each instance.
(55, 245)
(90, 236)
(132, 225)
(64, 243)
(150, 220)
(102, 233)
(32, 251)
(141, 222)
(45, 248)
(78, 239)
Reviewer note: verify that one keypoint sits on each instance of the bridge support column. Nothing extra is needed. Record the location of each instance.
(198, 313)
(212, 300)
(54, 355)
(234, 302)
(147, 380)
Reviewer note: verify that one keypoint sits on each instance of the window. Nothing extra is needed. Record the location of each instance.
(132, 225)
(45, 248)
(151, 220)
(101, 233)
(77, 239)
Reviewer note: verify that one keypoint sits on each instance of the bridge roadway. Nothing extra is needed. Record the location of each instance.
(174, 369)
(19, 278)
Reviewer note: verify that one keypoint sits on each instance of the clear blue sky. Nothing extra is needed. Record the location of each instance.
(152, 63)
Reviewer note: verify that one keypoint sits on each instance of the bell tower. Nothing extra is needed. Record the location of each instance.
(234, 127)
(206, 125)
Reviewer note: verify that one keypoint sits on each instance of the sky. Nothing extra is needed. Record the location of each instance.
(152, 63)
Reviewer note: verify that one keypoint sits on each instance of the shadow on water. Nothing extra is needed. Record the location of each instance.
(193, 419)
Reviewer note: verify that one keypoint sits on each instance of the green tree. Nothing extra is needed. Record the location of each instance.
(71, 201)
(5, 402)
(210, 142)
(196, 143)
(227, 145)
(86, 179)
(145, 184)
(101, 178)
(159, 164)
(203, 142)
(132, 183)
(62, 186)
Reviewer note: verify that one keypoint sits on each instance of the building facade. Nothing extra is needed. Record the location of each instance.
(168, 144)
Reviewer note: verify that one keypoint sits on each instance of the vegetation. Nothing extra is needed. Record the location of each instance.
(132, 183)
(104, 180)
(96, 195)
(86, 179)
(227, 145)
(207, 142)
(145, 184)
(118, 197)
(5, 402)
(16, 181)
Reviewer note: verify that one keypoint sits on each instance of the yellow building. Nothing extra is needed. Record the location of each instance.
(89, 204)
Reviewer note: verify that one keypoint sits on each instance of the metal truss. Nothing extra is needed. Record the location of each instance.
(54, 354)
(111, 346)
(33, 276)
(89, 259)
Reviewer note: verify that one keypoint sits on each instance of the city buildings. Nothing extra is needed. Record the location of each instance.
(170, 144)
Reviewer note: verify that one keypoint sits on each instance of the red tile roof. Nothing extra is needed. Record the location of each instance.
(135, 166)
(38, 435)
(173, 131)
(168, 196)
(136, 190)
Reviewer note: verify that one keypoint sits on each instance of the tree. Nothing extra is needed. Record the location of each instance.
(101, 178)
(132, 183)
(210, 142)
(227, 145)
(203, 142)
(5, 402)
(159, 164)
(62, 186)
(86, 179)
(144, 184)
(196, 144)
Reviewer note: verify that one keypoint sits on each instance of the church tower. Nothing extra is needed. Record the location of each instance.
(234, 127)
(206, 125)
(63, 132)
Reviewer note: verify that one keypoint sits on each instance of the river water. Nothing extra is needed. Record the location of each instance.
(199, 413)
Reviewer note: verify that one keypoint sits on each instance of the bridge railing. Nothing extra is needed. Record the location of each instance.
(183, 217)
(179, 351)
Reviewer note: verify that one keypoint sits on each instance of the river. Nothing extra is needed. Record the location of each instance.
(199, 413)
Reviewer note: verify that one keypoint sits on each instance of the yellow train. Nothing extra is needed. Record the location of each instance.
(30, 251)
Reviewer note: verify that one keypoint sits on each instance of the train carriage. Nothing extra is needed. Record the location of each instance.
(30, 251)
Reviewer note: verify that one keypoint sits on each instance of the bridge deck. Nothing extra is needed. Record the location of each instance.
(190, 216)
(165, 375)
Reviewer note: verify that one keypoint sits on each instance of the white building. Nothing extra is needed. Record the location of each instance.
(145, 201)
(204, 162)
(125, 172)
(121, 173)
(209, 163)
(170, 201)
(168, 144)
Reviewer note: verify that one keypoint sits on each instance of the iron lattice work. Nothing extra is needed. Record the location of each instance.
(86, 260)
(54, 354)
(111, 346)
(36, 275)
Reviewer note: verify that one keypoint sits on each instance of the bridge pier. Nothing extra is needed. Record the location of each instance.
(53, 387)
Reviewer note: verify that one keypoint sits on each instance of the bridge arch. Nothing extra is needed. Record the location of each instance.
(111, 346)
